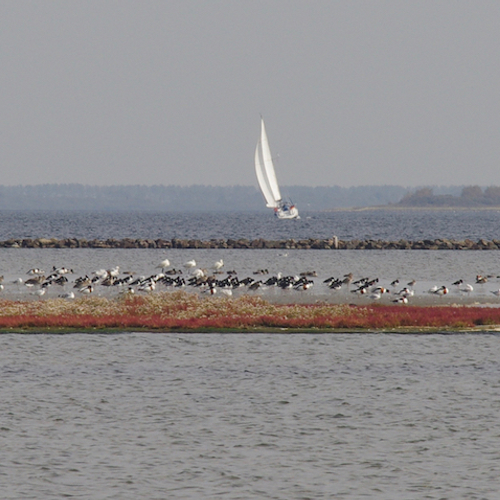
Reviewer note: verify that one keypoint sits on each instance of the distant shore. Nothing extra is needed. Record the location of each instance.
(422, 208)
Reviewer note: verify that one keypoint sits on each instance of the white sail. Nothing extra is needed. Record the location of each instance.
(261, 178)
(268, 164)
(268, 183)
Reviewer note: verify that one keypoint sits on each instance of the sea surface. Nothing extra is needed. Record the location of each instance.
(254, 416)
(158, 416)
(427, 268)
(346, 224)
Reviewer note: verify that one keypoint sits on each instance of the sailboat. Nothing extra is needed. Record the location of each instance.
(266, 176)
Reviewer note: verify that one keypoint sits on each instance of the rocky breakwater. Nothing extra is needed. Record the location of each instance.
(302, 244)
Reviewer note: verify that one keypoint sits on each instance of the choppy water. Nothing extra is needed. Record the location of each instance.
(253, 416)
(348, 224)
(249, 416)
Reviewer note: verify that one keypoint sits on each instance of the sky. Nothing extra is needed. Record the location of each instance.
(106, 92)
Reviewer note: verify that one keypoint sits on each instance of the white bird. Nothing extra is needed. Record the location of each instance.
(466, 289)
(114, 272)
(190, 263)
(101, 273)
(40, 292)
(227, 291)
(217, 265)
(199, 273)
(69, 295)
(496, 292)
(163, 264)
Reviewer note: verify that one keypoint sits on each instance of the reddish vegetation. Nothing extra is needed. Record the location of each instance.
(188, 312)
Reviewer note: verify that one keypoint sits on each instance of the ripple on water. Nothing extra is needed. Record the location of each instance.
(249, 416)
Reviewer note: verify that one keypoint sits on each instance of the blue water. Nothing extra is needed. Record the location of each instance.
(348, 224)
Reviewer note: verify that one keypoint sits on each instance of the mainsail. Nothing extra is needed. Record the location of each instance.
(264, 169)
(266, 176)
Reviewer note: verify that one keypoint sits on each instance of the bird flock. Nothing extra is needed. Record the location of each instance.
(214, 280)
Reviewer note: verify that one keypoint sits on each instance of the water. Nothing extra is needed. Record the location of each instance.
(253, 416)
(249, 416)
(429, 269)
(348, 224)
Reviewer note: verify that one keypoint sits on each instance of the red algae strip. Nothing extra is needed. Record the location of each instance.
(181, 311)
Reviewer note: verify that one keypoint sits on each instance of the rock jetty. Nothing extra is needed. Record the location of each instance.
(300, 244)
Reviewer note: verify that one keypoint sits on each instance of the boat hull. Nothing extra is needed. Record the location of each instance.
(289, 213)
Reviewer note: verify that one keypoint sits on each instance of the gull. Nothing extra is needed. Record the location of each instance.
(40, 292)
(101, 273)
(496, 292)
(163, 264)
(467, 289)
(217, 265)
(114, 272)
(69, 295)
(199, 273)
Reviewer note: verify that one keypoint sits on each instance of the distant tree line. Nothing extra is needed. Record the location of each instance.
(187, 198)
(234, 198)
(471, 196)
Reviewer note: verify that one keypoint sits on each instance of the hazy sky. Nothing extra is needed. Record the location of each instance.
(169, 92)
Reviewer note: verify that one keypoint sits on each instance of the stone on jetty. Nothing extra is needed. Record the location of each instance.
(260, 243)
